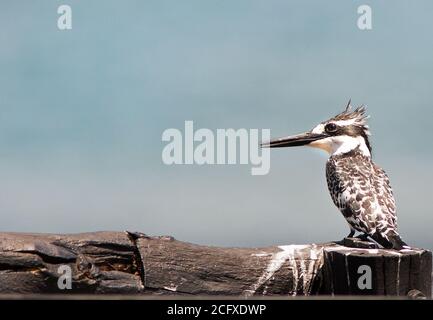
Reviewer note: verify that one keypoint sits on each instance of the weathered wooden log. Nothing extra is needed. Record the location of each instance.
(134, 263)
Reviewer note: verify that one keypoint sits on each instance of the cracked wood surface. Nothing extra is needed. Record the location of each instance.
(134, 263)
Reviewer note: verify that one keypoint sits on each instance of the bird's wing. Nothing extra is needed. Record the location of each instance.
(385, 199)
(361, 191)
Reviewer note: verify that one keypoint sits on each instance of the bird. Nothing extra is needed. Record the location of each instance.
(359, 188)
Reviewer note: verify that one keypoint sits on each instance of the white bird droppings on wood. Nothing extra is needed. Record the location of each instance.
(289, 254)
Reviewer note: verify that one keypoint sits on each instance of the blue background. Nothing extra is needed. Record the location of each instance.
(82, 113)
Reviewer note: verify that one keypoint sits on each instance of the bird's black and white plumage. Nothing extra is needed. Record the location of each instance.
(361, 190)
(358, 187)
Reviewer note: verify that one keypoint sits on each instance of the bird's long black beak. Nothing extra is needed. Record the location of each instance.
(293, 141)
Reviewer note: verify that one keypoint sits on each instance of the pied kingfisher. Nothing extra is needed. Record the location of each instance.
(359, 188)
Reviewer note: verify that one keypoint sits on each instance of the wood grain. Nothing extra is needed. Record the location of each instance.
(128, 263)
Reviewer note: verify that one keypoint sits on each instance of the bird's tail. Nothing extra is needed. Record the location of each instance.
(391, 241)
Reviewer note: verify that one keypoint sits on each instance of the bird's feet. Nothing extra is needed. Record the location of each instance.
(359, 242)
(363, 237)
(352, 232)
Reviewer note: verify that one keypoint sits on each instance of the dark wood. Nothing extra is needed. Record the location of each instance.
(133, 263)
(393, 273)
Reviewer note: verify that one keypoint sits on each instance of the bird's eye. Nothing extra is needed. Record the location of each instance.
(331, 127)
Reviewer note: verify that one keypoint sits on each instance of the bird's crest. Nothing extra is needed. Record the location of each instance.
(357, 116)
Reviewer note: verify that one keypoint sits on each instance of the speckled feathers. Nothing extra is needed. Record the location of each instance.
(362, 192)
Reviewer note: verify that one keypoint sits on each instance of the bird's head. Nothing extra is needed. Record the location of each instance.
(340, 134)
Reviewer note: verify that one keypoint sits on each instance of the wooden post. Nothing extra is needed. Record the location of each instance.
(133, 263)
